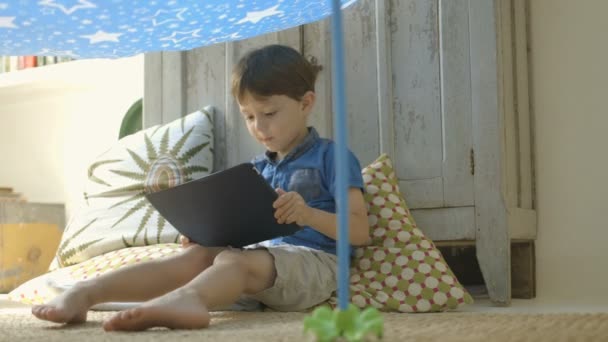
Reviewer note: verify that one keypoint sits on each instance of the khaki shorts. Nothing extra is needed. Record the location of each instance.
(305, 277)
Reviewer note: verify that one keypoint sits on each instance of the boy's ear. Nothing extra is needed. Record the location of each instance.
(308, 100)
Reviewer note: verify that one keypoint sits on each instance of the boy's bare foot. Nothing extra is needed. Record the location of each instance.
(69, 307)
(180, 309)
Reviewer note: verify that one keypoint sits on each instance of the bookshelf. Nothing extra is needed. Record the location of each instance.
(16, 63)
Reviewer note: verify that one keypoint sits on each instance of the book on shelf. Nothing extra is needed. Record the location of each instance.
(8, 63)
(28, 62)
(14, 63)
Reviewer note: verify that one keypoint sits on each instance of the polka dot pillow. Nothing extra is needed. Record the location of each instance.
(46, 287)
(402, 270)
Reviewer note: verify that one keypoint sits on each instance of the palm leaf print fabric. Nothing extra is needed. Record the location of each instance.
(115, 213)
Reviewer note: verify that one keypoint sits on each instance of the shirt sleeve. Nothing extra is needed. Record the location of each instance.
(355, 179)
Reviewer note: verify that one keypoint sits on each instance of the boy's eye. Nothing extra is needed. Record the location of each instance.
(270, 114)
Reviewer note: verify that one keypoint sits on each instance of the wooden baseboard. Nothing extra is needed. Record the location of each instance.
(461, 256)
(523, 270)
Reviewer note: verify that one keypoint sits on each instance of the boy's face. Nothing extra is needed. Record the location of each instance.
(278, 122)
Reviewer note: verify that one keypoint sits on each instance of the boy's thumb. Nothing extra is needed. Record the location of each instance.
(280, 191)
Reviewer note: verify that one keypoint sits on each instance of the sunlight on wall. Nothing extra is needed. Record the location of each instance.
(569, 88)
(54, 121)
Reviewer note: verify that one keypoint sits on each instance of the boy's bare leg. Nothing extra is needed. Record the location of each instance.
(139, 282)
(232, 274)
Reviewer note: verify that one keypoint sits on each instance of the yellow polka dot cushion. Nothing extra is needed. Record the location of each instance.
(402, 270)
(114, 212)
(46, 287)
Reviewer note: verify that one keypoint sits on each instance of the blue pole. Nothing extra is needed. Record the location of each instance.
(341, 138)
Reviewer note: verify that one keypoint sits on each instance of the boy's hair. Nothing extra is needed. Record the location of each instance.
(274, 70)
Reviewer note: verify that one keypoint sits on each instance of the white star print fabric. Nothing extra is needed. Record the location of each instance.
(120, 28)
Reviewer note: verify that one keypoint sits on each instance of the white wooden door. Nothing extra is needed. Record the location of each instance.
(432, 102)
(425, 44)
(409, 95)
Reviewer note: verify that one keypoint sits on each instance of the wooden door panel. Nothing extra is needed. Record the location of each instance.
(361, 80)
(416, 90)
(456, 103)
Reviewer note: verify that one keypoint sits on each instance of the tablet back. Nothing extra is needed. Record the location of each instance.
(232, 207)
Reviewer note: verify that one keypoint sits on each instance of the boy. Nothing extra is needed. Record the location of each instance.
(274, 87)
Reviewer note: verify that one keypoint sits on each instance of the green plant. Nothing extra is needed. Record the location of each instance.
(132, 121)
(351, 325)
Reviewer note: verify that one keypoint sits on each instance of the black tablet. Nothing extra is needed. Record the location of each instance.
(232, 207)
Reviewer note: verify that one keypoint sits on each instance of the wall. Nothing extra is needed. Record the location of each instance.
(55, 119)
(569, 85)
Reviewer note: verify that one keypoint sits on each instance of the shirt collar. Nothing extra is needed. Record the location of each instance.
(304, 146)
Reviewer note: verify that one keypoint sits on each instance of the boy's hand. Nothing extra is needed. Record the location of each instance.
(291, 207)
(185, 241)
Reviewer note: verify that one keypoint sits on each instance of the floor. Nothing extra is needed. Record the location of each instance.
(8, 304)
(480, 305)
(536, 306)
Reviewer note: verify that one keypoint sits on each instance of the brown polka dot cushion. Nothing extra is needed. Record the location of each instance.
(402, 270)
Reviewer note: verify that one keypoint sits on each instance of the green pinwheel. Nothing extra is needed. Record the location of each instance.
(351, 325)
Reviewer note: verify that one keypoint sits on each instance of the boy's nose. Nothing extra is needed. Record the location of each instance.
(261, 126)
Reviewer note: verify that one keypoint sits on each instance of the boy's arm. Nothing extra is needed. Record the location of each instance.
(291, 207)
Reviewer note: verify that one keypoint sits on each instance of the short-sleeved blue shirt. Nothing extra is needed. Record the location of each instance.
(309, 170)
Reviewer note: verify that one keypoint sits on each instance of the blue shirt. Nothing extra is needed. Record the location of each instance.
(309, 170)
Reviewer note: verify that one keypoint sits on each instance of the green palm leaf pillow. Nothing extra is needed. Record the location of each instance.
(115, 214)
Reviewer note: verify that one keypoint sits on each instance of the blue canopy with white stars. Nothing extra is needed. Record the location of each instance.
(120, 28)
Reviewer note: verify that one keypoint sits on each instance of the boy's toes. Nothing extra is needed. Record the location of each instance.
(122, 320)
(44, 312)
(40, 311)
(58, 315)
(130, 314)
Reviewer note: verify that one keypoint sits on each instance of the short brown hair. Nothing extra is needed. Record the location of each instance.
(274, 70)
